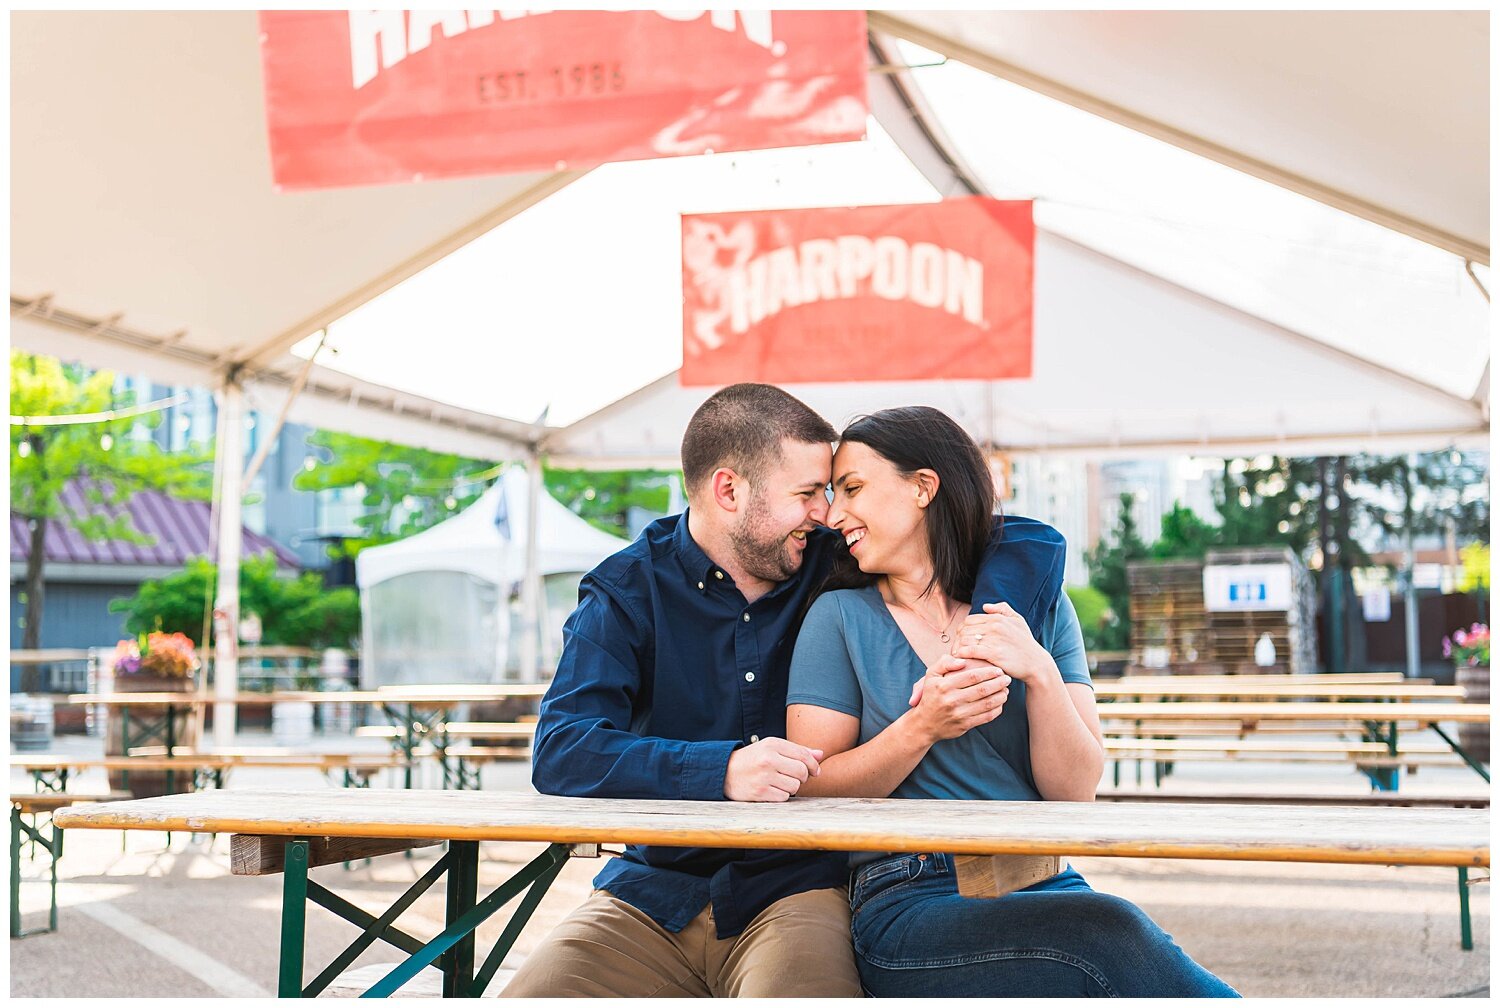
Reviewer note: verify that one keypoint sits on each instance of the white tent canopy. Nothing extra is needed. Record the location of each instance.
(1383, 114)
(438, 605)
(487, 539)
(1125, 365)
(146, 235)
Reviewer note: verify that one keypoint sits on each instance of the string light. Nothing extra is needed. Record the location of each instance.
(106, 442)
(24, 448)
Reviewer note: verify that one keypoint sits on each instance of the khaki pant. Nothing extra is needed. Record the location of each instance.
(798, 946)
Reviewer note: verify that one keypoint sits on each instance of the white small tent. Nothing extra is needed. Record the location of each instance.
(437, 606)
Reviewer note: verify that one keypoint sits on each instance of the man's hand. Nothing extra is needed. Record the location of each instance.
(771, 770)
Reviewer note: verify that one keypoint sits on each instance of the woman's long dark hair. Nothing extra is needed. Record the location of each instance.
(960, 517)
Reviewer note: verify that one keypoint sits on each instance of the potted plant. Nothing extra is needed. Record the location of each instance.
(151, 663)
(1470, 651)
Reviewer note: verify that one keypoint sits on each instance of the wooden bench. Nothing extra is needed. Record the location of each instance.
(1163, 753)
(32, 834)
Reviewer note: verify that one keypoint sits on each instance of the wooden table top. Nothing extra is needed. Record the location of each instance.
(207, 761)
(1284, 678)
(1451, 837)
(1424, 713)
(424, 696)
(1276, 691)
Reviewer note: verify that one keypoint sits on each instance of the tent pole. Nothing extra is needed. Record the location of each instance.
(531, 580)
(230, 457)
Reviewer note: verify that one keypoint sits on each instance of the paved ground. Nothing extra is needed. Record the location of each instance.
(156, 921)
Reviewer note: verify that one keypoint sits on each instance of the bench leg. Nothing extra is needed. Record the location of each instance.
(293, 919)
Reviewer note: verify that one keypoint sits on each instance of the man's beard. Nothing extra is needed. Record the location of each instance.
(760, 550)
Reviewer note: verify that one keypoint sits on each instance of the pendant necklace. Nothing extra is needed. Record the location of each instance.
(942, 632)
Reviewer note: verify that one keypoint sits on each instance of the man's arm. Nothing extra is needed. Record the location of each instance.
(1022, 566)
(585, 746)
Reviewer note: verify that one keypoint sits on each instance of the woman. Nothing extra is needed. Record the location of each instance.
(906, 697)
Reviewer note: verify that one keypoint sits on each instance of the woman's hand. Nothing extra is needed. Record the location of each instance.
(1000, 636)
(956, 695)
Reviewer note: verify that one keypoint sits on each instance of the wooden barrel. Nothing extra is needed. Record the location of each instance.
(1475, 738)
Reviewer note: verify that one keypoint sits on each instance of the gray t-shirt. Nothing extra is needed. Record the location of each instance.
(852, 657)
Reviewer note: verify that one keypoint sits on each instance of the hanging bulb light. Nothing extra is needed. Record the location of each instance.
(24, 448)
(106, 442)
(450, 503)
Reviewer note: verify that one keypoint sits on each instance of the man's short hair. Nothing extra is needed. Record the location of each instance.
(742, 426)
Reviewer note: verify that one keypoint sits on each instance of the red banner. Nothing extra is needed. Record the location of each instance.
(371, 97)
(884, 293)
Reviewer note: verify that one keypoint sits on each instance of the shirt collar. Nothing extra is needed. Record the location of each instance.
(694, 561)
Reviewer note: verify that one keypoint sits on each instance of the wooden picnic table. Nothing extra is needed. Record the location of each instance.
(290, 831)
(1278, 691)
(1251, 713)
(1286, 678)
(420, 711)
(1378, 722)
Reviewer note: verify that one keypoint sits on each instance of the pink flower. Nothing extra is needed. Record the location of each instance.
(1447, 648)
(1460, 638)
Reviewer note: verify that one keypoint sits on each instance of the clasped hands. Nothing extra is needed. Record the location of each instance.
(969, 687)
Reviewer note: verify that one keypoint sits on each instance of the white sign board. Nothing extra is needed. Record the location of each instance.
(1377, 604)
(1241, 587)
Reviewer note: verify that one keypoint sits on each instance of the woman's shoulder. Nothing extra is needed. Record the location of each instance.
(845, 605)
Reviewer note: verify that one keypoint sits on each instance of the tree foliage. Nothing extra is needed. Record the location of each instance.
(101, 457)
(404, 490)
(295, 611)
(1107, 573)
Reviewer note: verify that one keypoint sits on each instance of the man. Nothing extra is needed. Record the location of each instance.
(672, 685)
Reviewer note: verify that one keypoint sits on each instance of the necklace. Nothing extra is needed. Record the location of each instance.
(942, 631)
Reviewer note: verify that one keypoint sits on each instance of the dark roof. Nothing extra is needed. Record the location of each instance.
(178, 529)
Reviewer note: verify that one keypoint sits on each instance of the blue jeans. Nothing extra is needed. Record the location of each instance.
(915, 936)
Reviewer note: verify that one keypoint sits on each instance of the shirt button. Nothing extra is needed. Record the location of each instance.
(700, 585)
(747, 617)
(754, 738)
(719, 575)
(749, 676)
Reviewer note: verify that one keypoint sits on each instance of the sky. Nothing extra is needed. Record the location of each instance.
(577, 301)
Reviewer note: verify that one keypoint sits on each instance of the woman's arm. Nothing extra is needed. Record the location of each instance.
(954, 700)
(1067, 744)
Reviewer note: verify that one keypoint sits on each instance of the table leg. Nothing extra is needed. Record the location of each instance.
(463, 885)
(293, 918)
(34, 832)
(15, 872)
(1465, 932)
(540, 872)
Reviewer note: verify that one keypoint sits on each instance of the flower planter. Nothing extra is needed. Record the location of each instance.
(149, 783)
(1475, 738)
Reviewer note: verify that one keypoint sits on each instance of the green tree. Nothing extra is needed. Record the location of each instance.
(1107, 573)
(404, 490)
(101, 457)
(604, 499)
(1094, 615)
(293, 610)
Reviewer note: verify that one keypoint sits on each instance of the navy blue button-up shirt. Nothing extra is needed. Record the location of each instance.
(666, 670)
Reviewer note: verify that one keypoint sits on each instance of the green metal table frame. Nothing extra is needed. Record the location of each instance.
(36, 833)
(453, 951)
(417, 728)
(161, 729)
